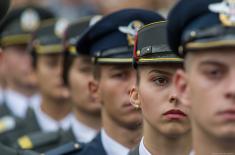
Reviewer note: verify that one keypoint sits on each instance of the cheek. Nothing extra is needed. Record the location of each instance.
(78, 84)
(150, 102)
(110, 94)
(202, 95)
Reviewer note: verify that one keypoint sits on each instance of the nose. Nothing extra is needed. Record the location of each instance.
(173, 97)
(230, 88)
(132, 81)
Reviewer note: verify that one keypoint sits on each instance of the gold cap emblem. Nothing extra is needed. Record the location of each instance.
(131, 31)
(226, 9)
(30, 20)
(60, 27)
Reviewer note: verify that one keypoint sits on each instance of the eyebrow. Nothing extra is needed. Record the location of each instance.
(119, 67)
(211, 62)
(160, 72)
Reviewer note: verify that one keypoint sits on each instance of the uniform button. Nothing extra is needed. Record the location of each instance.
(76, 146)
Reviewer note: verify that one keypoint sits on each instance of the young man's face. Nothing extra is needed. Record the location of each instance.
(208, 86)
(80, 75)
(115, 84)
(17, 63)
(48, 71)
(156, 96)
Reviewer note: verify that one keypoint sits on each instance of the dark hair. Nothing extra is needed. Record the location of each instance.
(67, 63)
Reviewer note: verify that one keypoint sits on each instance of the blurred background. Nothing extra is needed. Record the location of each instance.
(74, 9)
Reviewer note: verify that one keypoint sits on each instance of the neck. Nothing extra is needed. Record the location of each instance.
(27, 91)
(123, 135)
(90, 120)
(157, 143)
(205, 143)
(55, 108)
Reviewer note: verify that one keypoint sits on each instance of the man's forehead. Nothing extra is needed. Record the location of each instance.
(51, 56)
(117, 66)
(219, 55)
(160, 68)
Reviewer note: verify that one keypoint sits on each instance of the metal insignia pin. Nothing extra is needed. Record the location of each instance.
(30, 20)
(60, 27)
(226, 9)
(131, 31)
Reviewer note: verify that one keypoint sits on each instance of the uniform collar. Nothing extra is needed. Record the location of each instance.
(19, 103)
(142, 149)
(47, 123)
(82, 132)
(111, 146)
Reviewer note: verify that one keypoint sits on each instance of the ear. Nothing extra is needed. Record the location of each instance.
(181, 86)
(134, 97)
(93, 87)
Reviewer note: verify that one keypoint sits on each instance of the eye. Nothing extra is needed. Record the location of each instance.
(85, 69)
(119, 75)
(161, 81)
(214, 73)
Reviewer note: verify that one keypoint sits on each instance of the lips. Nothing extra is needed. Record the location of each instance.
(175, 114)
(228, 114)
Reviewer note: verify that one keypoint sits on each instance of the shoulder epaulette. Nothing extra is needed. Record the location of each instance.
(38, 139)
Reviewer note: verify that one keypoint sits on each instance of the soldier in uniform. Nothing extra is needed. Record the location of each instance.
(111, 41)
(166, 120)
(77, 74)
(15, 34)
(205, 37)
(54, 111)
(4, 5)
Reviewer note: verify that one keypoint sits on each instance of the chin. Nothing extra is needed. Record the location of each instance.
(176, 130)
(227, 133)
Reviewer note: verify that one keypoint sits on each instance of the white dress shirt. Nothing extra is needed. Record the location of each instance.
(142, 149)
(111, 146)
(82, 132)
(19, 103)
(48, 124)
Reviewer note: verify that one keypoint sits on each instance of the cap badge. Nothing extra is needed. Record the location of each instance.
(131, 31)
(60, 27)
(29, 20)
(226, 9)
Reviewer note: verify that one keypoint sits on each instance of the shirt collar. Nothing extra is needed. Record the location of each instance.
(82, 132)
(111, 146)
(19, 103)
(142, 149)
(48, 124)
